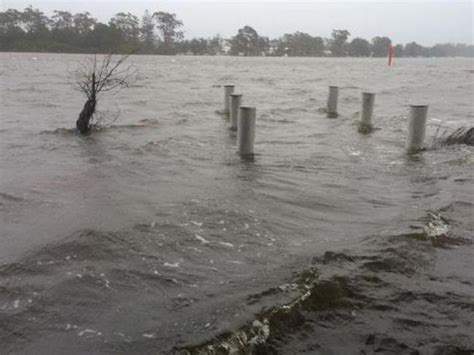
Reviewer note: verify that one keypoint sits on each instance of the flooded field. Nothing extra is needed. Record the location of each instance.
(152, 236)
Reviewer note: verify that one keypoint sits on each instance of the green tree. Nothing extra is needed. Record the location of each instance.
(35, 21)
(10, 20)
(63, 35)
(147, 31)
(84, 23)
(11, 33)
(300, 44)
(168, 26)
(275, 47)
(463, 50)
(398, 51)
(413, 49)
(62, 20)
(245, 42)
(127, 24)
(338, 43)
(359, 47)
(215, 45)
(198, 46)
(380, 46)
(443, 50)
(263, 45)
(103, 39)
(128, 27)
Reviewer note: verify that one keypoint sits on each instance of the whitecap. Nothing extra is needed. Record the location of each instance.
(89, 331)
(171, 265)
(230, 245)
(201, 239)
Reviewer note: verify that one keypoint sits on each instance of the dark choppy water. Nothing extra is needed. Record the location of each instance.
(152, 235)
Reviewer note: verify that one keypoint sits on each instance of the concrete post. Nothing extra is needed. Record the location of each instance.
(246, 131)
(228, 89)
(416, 127)
(235, 103)
(332, 102)
(365, 124)
(368, 100)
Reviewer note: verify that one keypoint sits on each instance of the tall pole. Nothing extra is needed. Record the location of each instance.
(228, 90)
(235, 103)
(416, 127)
(332, 102)
(246, 131)
(390, 55)
(367, 109)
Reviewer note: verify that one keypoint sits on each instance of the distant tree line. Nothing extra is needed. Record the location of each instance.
(31, 30)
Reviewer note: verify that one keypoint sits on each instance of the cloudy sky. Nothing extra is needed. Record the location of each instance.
(425, 22)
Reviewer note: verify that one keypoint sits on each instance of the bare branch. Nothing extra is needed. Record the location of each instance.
(95, 75)
(110, 73)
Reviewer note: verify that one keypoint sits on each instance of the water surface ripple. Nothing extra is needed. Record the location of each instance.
(152, 236)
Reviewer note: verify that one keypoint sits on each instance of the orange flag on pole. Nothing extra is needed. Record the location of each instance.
(390, 55)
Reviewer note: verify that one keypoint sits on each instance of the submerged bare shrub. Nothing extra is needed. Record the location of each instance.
(462, 135)
(98, 76)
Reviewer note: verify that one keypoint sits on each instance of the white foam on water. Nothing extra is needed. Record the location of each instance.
(175, 265)
(91, 332)
(230, 245)
(201, 239)
(436, 227)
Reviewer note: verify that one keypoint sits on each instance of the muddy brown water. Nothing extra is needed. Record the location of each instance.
(152, 235)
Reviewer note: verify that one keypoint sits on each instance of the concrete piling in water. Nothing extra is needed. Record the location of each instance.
(416, 127)
(246, 131)
(332, 102)
(235, 103)
(228, 90)
(367, 109)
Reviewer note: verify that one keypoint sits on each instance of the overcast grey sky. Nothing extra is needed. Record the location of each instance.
(425, 22)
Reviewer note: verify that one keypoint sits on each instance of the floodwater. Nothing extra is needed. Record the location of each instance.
(152, 236)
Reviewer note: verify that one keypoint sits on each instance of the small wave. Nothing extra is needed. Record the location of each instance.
(462, 135)
(343, 292)
(264, 80)
(283, 120)
(349, 99)
(126, 126)
(141, 124)
(9, 197)
(277, 142)
(60, 131)
(149, 121)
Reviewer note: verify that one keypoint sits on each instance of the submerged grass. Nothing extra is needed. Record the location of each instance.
(274, 324)
(462, 135)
